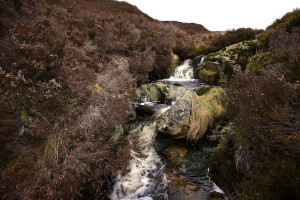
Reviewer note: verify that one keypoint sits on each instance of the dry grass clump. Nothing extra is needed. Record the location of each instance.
(210, 107)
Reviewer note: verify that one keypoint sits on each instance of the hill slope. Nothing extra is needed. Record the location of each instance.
(68, 70)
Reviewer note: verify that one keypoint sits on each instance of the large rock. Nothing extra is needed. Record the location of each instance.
(219, 66)
(209, 72)
(191, 114)
(154, 92)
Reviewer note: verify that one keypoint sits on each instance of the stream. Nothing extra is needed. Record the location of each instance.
(163, 168)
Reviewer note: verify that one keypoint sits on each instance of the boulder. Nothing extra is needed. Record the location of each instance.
(143, 111)
(219, 66)
(154, 92)
(209, 72)
(191, 115)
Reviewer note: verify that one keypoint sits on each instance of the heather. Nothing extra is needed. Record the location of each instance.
(71, 70)
(68, 75)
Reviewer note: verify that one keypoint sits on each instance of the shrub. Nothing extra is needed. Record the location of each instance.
(230, 37)
(265, 112)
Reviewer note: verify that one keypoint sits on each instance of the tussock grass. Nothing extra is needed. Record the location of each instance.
(210, 107)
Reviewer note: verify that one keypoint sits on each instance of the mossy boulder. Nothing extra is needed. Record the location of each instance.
(219, 66)
(191, 115)
(238, 53)
(202, 90)
(154, 92)
(209, 72)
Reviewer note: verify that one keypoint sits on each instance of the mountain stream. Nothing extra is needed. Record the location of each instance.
(163, 168)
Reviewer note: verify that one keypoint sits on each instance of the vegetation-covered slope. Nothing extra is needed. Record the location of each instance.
(68, 70)
(259, 155)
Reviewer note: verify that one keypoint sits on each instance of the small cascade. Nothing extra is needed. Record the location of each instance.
(183, 72)
(146, 178)
(202, 60)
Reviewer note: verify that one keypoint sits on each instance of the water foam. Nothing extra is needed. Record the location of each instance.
(146, 178)
(183, 72)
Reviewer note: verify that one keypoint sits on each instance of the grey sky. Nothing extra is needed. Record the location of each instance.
(218, 15)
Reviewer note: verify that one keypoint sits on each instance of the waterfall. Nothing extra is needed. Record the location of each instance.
(183, 72)
(146, 178)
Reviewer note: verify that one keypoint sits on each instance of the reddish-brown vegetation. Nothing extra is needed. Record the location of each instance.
(68, 70)
(259, 156)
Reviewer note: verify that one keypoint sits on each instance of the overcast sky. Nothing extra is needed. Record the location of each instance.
(218, 15)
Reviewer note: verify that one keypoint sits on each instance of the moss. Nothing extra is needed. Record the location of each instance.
(208, 76)
(155, 91)
(173, 65)
(208, 72)
(202, 90)
(289, 19)
(212, 56)
(7, 92)
(23, 114)
(38, 84)
(138, 95)
(176, 85)
(262, 60)
(49, 147)
(264, 40)
(119, 133)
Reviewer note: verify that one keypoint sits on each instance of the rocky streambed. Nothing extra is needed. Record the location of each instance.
(169, 145)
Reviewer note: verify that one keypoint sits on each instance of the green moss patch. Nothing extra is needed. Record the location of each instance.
(176, 85)
(262, 60)
(202, 90)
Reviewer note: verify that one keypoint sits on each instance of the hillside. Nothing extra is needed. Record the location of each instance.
(190, 28)
(69, 71)
(258, 155)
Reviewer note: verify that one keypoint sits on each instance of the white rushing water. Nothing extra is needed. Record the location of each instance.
(146, 179)
(183, 72)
